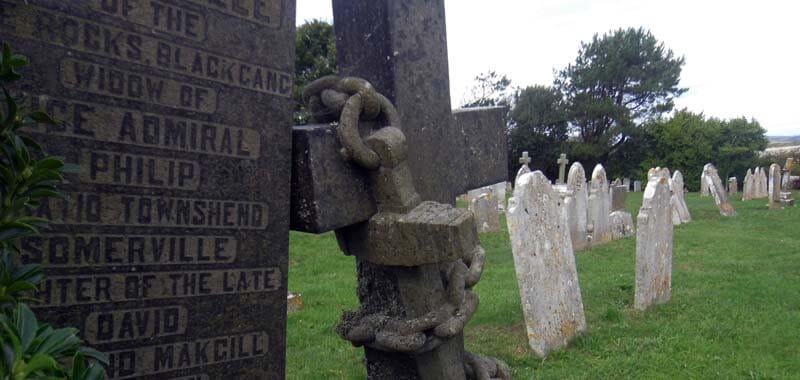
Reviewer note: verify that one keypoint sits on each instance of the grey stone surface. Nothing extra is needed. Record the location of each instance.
(545, 265)
(704, 185)
(619, 195)
(562, 168)
(761, 183)
(717, 191)
(524, 161)
(627, 183)
(185, 178)
(637, 186)
(774, 186)
(654, 240)
(680, 210)
(576, 205)
(748, 186)
(621, 224)
(599, 207)
(487, 215)
(733, 186)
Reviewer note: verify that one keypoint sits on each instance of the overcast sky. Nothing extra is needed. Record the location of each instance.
(742, 57)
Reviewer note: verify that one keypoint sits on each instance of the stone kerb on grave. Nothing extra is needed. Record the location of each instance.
(680, 210)
(599, 207)
(576, 205)
(748, 186)
(487, 215)
(545, 265)
(717, 191)
(654, 234)
(774, 186)
(185, 168)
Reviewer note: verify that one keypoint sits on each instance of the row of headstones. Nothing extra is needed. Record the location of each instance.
(776, 188)
(542, 244)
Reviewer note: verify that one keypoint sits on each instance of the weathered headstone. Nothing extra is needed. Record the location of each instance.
(704, 184)
(786, 183)
(179, 114)
(562, 168)
(619, 195)
(748, 186)
(716, 190)
(599, 207)
(733, 186)
(774, 186)
(576, 205)
(637, 186)
(761, 183)
(545, 265)
(680, 211)
(524, 161)
(487, 216)
(627, 183)
(621, 224)
(654, 233)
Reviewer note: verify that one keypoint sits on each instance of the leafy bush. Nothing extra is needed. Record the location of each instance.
(30, 350)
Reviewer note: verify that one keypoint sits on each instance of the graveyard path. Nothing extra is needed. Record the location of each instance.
(734, 311)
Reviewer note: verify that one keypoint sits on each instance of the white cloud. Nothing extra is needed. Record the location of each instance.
(741, 56)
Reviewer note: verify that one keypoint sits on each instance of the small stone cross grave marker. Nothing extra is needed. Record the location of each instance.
(562, 167)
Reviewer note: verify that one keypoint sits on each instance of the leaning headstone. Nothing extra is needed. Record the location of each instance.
(173, 239)
(748, 186)
(599, 207)
(733, 186)
(774, 186)
(704, 184)
(545, 265)
(487, 216)
(637, 186)
(576, 204)
(621, 224)
(716, 190)
(654, 233)
(679, 208)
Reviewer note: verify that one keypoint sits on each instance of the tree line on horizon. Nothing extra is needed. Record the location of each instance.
(613, 105)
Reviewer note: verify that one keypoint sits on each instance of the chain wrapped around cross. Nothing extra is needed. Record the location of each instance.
(406, 231)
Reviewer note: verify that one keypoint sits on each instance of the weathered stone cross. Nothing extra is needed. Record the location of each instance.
(400, 47)
(562, 168)
(525, 159)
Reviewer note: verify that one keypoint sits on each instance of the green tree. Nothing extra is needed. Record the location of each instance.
(618, 81)
(489, 89)
(687, 141)
(315, 49)
(538, 125)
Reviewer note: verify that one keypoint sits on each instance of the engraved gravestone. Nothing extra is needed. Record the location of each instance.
(170, 251)
(654, 235)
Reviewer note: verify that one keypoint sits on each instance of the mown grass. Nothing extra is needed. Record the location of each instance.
(734, 314)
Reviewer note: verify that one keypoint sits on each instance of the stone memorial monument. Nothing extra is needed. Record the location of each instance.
(654, 233)
(576, 204)
(562, 167)
(599, 207)
(525, 160)
(401, 49)
(545, 265)
(761, 183)
(680, 211)
(621, 224)
(774, 186)
(487, 216)
(733, 186)
(637, 186)
(786, 183)
(716, 190)
(748, 186)
(170, 250)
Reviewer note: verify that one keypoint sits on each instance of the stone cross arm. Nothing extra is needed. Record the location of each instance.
(328, 192)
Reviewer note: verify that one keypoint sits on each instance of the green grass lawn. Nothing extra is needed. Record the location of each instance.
(734, 314)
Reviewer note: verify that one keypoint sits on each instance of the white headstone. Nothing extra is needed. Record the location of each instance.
(599, 207)
(717, 190)
(679, 208)
(545, 265)
(524, 161)
(487, 216)
(654, 232)
(637, 186)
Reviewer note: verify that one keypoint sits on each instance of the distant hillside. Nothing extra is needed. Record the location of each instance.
(783, 140)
